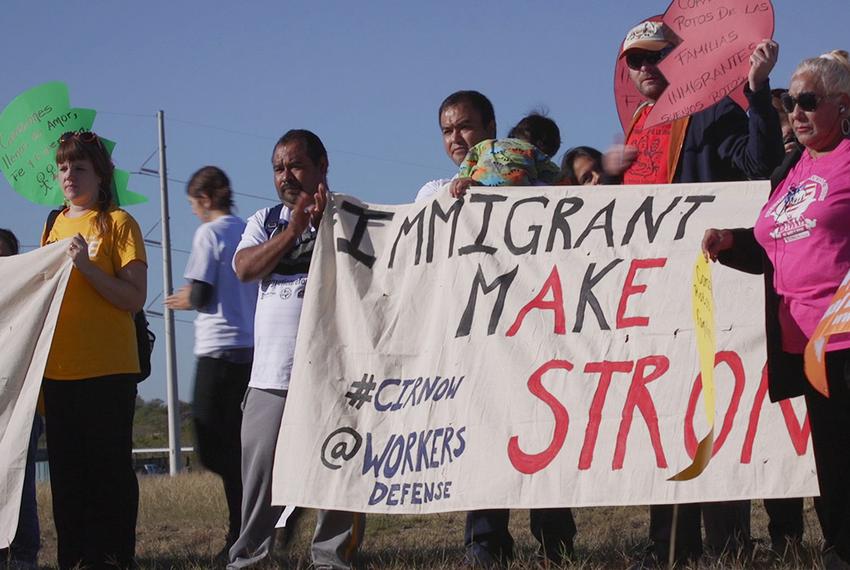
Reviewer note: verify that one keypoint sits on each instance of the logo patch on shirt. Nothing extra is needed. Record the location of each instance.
(93, 245)
(283, 289)
(789, 211)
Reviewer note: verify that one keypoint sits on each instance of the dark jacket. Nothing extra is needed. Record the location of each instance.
(723, 143)
(786, 378)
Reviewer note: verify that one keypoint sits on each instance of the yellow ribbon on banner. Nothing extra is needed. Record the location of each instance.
(702, 303)
(835, 320)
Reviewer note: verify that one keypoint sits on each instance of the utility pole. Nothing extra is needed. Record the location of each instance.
(173, 399)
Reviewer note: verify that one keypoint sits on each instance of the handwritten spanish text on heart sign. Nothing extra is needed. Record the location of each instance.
(713, 57)
(628, 97)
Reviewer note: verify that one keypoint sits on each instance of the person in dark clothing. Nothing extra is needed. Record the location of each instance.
(785, 516)
(801, 244)
(721, 143)
(788, 137)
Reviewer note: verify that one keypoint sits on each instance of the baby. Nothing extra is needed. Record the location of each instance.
(517, 160)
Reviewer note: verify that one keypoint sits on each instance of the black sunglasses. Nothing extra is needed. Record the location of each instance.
(637, 59)
(807, 101)
(82, 136)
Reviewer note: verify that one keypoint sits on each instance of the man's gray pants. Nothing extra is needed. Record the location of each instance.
(338, 534)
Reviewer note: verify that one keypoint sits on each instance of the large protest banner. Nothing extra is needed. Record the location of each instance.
(530, 347)
(33, 287)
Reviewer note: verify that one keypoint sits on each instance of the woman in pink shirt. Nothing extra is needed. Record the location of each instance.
(801, 242)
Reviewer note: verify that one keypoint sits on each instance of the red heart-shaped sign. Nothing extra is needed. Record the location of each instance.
(710, 62)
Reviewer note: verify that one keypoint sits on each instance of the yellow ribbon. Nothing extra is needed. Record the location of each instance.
(702, 303)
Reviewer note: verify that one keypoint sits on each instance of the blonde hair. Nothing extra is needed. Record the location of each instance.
(831, 69)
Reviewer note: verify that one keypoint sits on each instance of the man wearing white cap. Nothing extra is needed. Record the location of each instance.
(721, 143)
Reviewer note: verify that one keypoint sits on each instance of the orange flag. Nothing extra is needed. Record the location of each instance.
(835, 320)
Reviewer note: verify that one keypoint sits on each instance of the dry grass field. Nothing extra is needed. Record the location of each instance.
(182, 526)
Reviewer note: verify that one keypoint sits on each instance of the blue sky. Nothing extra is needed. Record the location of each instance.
(367, 77)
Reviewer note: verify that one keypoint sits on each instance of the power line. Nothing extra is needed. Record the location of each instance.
(150, 156)
(270, 138)
(222, 129)
(154, 300)
(383, 159)
(159, 245)
(333, 150)
(126, 114)
(266, 198)
(153, 227)
(153, 173)
(158, 315)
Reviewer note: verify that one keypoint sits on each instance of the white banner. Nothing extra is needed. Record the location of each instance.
(530, 347)
(33, 285)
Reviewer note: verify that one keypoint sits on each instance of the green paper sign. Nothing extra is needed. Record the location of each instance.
(30, 127)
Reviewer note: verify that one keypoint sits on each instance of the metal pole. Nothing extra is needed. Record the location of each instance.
(170, 351)
(671, 555)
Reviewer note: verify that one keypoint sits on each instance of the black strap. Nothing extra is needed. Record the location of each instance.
(297, 260)
(51, 219)
(272, 220)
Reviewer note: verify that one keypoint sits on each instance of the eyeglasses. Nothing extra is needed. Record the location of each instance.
(637, 59)
(82, 136)
(807, 101)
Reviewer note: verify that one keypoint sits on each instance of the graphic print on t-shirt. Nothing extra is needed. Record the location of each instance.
(789, 211)
(649, 154)
(283, 287)
(653, 149)
(93, 245)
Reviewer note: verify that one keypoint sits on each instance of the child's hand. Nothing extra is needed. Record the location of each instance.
(459, 186)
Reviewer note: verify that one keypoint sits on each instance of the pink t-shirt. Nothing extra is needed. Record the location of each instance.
(805, 230)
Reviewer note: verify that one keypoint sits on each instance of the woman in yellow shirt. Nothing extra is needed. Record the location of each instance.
(90, 377)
